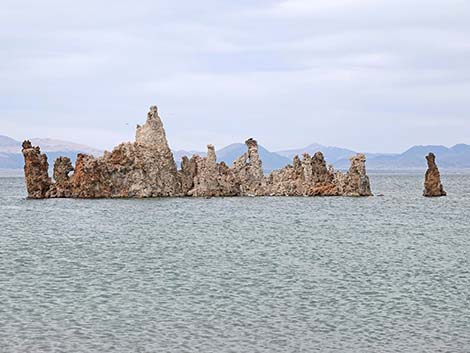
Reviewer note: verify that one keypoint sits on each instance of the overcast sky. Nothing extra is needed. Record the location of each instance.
(371, 75)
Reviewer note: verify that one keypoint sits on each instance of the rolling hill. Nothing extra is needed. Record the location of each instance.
(11, 158)
(271, 160)
(332, 154)
(456, 157)
(230, 153)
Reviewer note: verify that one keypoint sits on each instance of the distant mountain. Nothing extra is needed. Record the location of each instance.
(332, 154)
(9, 145)
(51, 145)
(6, 141)
(11, 157)
(271, 160)
(230, 153)
(456, 157)
(178, 155)
(11, 160)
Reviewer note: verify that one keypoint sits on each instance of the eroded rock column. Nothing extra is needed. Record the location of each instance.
(155, 172)
(355, 182)
(36, 172)
(432, 182)
(248, 169)
(62, 168)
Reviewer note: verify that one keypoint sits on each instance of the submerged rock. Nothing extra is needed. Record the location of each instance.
(432, 183)
(146, 168)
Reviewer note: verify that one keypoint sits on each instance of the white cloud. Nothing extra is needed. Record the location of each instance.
(308, 7)
(340, 72)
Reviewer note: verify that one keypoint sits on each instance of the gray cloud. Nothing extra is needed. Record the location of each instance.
(370, 75)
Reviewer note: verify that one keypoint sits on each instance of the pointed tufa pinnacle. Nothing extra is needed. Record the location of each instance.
(211, 156)
(147, 168)
(251, 143)
(27, 144)
(432, 183)
(36, 170)
(152, 133)
(153, 111)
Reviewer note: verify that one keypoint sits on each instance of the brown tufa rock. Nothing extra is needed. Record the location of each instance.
(290, 180)
(432, 183)
(311, 177)
(188, 173)
(248, 170)
(36, 170)
(207, 177)
(62, 168)
(355, 182)
(146, 168)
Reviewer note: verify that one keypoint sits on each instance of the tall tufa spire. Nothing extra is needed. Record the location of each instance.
(152, 134)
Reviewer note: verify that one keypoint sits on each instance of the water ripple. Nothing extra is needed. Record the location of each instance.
(381, 274)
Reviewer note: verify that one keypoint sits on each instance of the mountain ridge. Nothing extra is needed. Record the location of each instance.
(11, 157)
(332, 154)
(232, 152)
(454, 157)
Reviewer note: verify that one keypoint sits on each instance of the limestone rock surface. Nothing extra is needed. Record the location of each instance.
(209, 178)
(432, 182)
(62, 168)
(146, 168)
(355, 182)
(36, 170)
(248, 170)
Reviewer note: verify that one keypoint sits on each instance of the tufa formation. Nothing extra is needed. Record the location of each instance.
(146, 168)
(432, 182)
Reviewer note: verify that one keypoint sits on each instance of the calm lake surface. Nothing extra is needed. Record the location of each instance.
(379, 274)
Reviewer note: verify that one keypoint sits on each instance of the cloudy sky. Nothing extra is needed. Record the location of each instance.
(371, 75)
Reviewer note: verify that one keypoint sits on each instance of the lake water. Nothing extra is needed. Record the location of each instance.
(379, 274)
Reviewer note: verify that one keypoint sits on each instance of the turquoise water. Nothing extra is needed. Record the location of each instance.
(380, 274)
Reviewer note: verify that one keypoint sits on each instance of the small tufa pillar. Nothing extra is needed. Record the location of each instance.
(432, 182)
(36, 172)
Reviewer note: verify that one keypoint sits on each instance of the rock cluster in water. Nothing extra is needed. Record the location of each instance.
(432, 182)
(146, 168)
